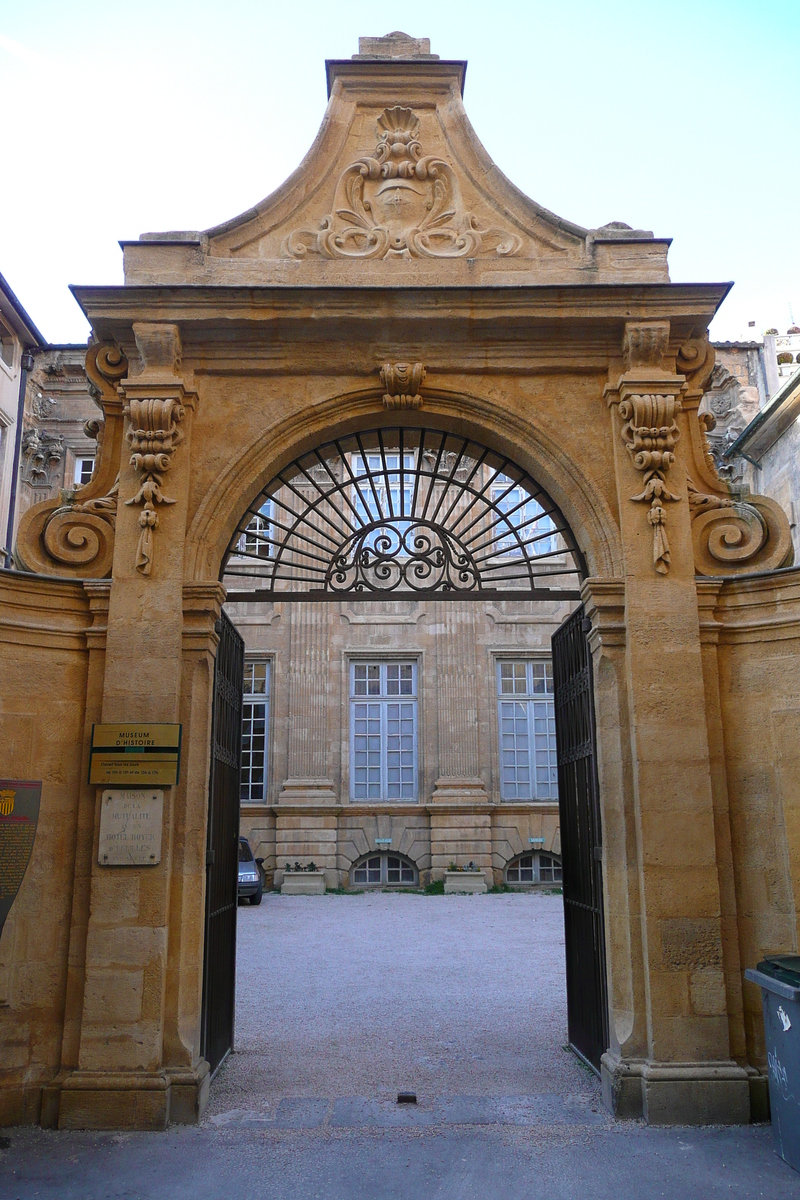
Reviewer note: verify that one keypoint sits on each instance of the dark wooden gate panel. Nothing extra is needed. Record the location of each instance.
(581, 840)
(222, 848)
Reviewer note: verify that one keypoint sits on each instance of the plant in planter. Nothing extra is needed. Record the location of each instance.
(464, 879)
(784, 357)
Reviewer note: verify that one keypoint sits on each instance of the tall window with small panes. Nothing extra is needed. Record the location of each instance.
(255, 732)
(383, 731)
(527, 728)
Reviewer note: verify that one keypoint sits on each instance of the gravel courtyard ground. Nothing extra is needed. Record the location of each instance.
(371, 994)
(343, 1001)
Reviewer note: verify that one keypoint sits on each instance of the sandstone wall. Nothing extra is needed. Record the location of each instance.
(756, 624)
(44, 665)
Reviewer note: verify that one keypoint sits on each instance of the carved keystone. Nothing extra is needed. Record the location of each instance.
(403, 382)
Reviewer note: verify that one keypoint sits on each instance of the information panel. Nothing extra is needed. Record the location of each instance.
(19, 816)
(137, 754)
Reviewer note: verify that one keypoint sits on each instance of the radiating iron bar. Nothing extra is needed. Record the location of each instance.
(490, 537)
(418, 471)
(494, 579)
(522, 543)
(466, 487)
(302, 519)
(270, 596)
(494, 502)
(449, 479)
(313, 505)
(375, 496)
(505, 516)
(537, 559)
(382, 449)
(402, 476)
(299, 517)
(440, 452)
(341, 490)
(488, 500)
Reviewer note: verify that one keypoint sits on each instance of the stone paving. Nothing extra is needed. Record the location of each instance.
(343, 1000)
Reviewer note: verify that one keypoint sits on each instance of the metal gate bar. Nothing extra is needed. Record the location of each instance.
(222, 847)
(581, 840)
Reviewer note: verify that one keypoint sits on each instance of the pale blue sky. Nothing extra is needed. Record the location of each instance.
(678, 117)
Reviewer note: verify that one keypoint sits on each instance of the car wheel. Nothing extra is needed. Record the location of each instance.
(256, 897)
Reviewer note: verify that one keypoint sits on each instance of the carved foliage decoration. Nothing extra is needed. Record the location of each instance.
(153, 436)
(402, 383)
(74, 535)
(399, 201)
(650, 432)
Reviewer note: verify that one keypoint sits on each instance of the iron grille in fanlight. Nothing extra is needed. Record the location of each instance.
(404, 512)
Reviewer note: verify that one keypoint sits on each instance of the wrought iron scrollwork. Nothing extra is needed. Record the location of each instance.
(392, 554)
(407, 512)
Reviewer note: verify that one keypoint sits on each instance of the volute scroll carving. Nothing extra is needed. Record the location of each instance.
(730, 535)
(74, 535)
(399, 201)
(738, 536)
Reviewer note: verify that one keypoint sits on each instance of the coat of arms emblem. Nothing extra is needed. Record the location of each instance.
(7, 802)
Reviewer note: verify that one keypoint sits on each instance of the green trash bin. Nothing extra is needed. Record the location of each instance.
(778, 976)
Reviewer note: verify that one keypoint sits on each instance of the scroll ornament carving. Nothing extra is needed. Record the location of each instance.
(75, 535)
(696, 360)
(650, 433)
(153, 436)
(399, 201)
(732, 537)
(403, 383)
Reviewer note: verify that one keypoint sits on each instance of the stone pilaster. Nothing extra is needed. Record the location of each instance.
(122, 1078)
(457, 835)
(308, 780)
(303, 833)
(688, 1073)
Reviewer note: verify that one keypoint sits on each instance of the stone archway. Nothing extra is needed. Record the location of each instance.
(418, 515)
(228, 353)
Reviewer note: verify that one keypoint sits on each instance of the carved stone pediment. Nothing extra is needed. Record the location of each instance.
(397, 187)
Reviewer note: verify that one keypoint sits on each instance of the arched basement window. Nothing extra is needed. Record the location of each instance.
(534, 868)
(384, 870)
(405, 512)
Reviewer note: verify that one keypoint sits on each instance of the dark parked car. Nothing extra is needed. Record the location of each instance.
(251, 880)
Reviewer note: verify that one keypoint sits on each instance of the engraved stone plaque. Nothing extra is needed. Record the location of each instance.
(130, 827)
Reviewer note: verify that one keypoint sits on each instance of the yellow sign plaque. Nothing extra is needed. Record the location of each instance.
(135, 754)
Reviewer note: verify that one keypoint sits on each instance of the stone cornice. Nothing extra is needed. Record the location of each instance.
(110, 309)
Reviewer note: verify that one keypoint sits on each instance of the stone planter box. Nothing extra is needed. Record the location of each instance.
(303, 883)
(464, 881)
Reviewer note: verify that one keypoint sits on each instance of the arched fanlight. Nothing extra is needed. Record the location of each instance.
(401, 512)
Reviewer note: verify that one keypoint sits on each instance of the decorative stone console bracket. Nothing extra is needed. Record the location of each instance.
(74, 535)
(729, 535)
